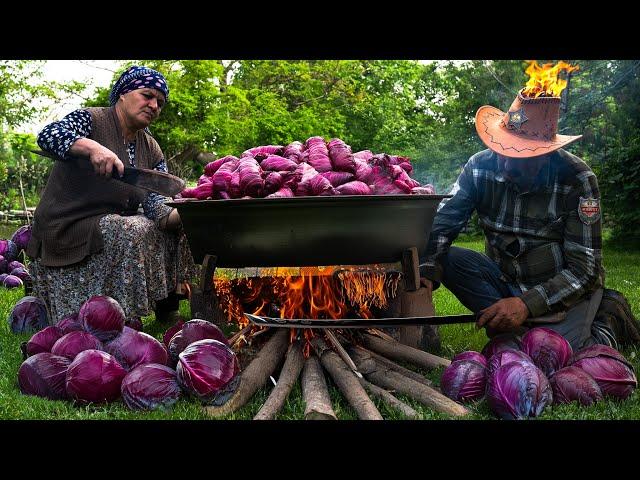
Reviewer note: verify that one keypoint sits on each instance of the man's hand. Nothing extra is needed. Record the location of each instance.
(505, 314)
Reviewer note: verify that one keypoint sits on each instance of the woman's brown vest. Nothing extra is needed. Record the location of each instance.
(65, 225)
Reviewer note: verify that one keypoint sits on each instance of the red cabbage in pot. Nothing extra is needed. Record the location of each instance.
(293, 151)
(354, 188)
(363, 155)
(284, 192)
(263, 151)
(212, 167)
(424, 190)
(338, 178)
(277, 163)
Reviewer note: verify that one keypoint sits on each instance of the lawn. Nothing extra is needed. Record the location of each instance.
(623, 274)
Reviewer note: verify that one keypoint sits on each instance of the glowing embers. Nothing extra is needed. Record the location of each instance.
(545, 80)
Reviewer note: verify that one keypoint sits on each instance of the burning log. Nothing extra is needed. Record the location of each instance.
(398, 351)
(288, 377)
(239, 334)
(256, 374)
(387, 397)
(342, 352)
(315, 392)
(387, 378)
(346, 381)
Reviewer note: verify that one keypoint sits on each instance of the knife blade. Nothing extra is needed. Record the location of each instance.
(150, 180)
(359, 322)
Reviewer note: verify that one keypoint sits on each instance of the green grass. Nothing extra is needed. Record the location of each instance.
(623, 274)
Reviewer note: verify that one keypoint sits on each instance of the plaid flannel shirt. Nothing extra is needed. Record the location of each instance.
(537, 238)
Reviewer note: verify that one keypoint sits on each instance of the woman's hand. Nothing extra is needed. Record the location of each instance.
(171, 221)
(104, 161)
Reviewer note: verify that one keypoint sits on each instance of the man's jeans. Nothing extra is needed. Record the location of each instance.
(478, 283)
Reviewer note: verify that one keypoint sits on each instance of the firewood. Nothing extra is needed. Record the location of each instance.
(387, 378)
(388, 398)
(315, 392)
(398, 368)
(240, 333)
(346, 381)
(287, 379)
(256, 374)
(398, 351)
(342, 352)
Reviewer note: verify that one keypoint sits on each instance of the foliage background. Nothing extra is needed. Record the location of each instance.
(422, 110)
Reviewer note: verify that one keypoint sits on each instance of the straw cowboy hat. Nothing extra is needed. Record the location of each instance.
(528, 129)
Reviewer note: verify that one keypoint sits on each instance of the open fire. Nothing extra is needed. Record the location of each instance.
(312, 292)
(546, 80)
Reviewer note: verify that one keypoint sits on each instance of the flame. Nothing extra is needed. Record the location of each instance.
(314, 293)
(545, 80)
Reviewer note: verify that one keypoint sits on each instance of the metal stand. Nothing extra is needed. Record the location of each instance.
(204, 302)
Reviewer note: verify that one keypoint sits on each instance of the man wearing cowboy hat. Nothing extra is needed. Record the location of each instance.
(539, 208)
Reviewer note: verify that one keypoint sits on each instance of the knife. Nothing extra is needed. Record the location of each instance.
(359, 322)
(150, 180)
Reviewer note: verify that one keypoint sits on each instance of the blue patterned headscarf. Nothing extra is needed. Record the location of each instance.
(136, 77)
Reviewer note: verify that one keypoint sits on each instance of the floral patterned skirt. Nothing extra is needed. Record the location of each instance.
(138, 266)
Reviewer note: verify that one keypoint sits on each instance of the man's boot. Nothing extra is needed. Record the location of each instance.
(614, 315)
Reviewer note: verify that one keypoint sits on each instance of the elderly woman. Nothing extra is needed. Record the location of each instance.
(88, 237)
